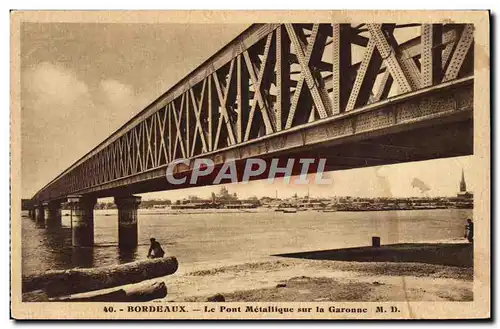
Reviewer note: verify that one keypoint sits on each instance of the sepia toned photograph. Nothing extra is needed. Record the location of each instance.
(250, 165)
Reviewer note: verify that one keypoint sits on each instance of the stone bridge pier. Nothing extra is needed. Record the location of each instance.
(127, 220)
(52, 214)
(82, 221)
(39, 214)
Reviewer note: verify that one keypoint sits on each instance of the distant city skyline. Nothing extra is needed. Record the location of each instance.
(442, 176)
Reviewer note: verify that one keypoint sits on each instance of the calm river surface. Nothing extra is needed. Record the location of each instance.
(234, 237)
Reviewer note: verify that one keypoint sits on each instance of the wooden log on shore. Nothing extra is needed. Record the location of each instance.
(97, 296)
(35, 296)
(68, 282)
(144, 292)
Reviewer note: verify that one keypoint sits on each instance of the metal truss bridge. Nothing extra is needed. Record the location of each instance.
(356, 94)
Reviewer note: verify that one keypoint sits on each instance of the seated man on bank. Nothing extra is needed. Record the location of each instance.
(155, 250)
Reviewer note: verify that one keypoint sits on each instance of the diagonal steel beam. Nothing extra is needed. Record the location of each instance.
(162, 149)
(120, 145)
(149, 142)
(258, 98)
(224, 116)
(186, 109)
(341, 62)
(384, 87)
(282, 77)
(169, 115)
(431, 36)
(130, 165)
(371, 61)
(461, 51)
(138, 158)
(178, 136)
(319, 95)
(450, 39)
(388, 53)
(301, 81)
(243, 97)
(198, 130)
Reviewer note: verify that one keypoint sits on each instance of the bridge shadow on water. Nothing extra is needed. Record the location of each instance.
(457, 254)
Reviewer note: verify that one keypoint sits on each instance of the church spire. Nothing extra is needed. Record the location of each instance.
(463, 186)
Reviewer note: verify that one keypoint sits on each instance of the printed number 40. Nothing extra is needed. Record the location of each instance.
(109, 309)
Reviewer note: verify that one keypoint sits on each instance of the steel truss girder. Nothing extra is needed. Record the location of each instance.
(448, 103)
(215, 107)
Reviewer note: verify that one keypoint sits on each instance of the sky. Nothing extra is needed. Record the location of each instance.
(80, 82)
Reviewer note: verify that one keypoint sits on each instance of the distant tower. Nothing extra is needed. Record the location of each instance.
(463, 186)
(464, 199)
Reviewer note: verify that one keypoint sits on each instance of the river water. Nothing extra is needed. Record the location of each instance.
(221, 238)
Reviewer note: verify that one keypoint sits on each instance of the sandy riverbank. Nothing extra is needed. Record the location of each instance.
(402, 272)
(304, 279)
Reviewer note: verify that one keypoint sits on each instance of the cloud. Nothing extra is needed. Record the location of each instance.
(64, 117)
(55, 109)
(53, 83)
(119, 101)
(117, 93)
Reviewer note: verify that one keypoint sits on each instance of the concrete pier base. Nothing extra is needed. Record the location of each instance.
(127, 220)
(39, 214)
(52, 213)
(82, 222)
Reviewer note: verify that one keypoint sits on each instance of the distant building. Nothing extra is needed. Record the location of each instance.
(464, 194)
(464, 199)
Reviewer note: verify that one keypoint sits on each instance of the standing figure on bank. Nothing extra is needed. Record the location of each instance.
(155, 250)
(469, 230)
